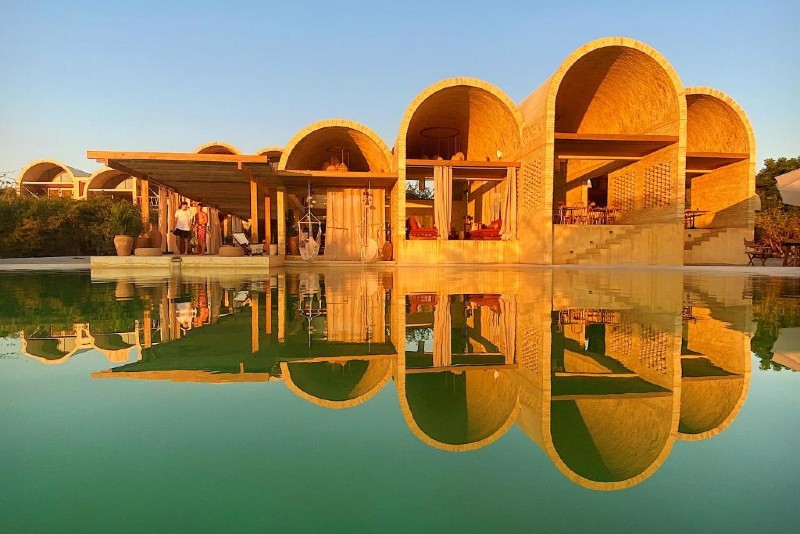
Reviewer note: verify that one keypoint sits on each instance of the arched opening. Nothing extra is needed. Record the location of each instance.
(111, 183)
(461, 134)
(616, 117)
(338, 173)
(273, 154)
(52, 178)
(217, 147)
(720, 173)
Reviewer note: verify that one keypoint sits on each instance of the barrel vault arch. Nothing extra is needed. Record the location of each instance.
(217, 147)
(307, 149)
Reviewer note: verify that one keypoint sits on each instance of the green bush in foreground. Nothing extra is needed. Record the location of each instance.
(53, 226)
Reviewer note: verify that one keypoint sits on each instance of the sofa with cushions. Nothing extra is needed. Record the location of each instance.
(414, 231)
(488, 232)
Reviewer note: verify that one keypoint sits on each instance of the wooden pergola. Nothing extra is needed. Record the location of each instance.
(235, 184)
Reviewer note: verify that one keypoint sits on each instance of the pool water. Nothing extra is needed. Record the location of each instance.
(555, 400)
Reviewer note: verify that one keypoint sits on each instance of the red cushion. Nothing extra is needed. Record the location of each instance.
(413, 224)
(496, 224)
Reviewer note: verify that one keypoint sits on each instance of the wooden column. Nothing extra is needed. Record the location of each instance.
(147, 328)
(254, 321)
(267, 226)
(134, 190)
(268, 308)
(144, 193)
(281, 214)
(281, 305)
(253, 212)
(163, 216)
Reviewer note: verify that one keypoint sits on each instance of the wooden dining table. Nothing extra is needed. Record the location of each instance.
(689, 216)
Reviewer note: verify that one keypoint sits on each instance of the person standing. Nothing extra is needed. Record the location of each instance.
(183, 227)
(200, 228)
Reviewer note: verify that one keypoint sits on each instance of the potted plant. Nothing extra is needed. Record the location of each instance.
(126, 222)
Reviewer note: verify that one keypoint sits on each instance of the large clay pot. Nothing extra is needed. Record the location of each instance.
(388, 250)
(142, 242)
(294, 245)
(156, 237)
(123, 244)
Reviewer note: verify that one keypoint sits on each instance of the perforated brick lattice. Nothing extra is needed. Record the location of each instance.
(655, 349)
(658, 185)
(529, 348)
(530, 184)
(623, 191)
(619, 340)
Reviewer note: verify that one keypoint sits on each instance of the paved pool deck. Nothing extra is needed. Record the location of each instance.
(112, 264)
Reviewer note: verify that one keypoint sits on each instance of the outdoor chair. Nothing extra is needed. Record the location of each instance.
(761, 252)
(249, 249)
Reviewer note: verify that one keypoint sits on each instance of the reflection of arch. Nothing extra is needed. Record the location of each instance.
(337, 383)
(110, 182)
(615, 85)
(273, 153)
(308, 148)
(217, 147)
(609, 443)
(486, 118)
(460, 410)
(57, 349)
(116, 347)
(51, 177)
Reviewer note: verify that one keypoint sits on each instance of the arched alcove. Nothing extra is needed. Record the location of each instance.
(313, 147)
(51, 178)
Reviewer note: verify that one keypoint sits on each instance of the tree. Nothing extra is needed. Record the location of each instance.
(766, 186)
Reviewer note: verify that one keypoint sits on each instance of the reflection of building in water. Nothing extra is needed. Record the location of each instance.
(58, 347)
(603, 371)
(715, 358)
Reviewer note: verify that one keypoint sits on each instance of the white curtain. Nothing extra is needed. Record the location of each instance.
(346, 230)
(442, 349)
(343, 215)
(509, 228)
(443, 198)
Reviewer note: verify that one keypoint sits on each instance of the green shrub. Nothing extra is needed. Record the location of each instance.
(54, 226)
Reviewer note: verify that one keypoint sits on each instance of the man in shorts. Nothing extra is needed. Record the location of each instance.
(183, 227)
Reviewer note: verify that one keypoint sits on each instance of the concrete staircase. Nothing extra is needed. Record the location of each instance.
(616, 249)
(700, 243)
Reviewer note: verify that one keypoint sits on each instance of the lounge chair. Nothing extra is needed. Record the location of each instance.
(417, 232)
(249, 249)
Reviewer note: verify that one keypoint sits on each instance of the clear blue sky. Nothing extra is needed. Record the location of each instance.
(170, 75)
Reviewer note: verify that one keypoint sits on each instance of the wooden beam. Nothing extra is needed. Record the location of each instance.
(175, 156)
(448, 163)
(617, 137)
